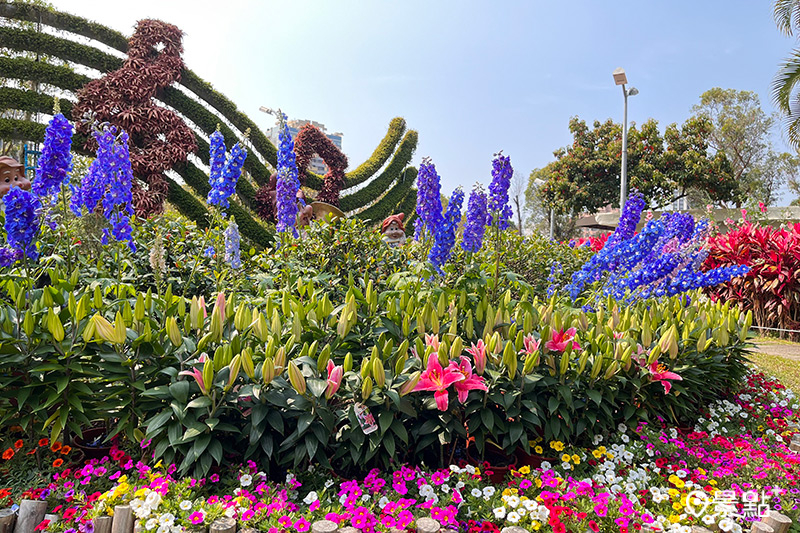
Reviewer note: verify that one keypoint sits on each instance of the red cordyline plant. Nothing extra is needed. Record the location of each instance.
(772, 286)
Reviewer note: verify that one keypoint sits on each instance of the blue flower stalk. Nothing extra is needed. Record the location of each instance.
(288, 183)
(429, 199)
(499, 209)
(232, 241)
(117, 207)
(445, 233)
(22, 210)
(477, 216)
(223, 178)
(55, 161)
(94, 183)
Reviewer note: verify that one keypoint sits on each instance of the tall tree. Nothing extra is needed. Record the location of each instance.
(585, 175)
(743, 131)
(787, 17)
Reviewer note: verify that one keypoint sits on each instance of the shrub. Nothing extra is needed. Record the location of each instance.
(771, 289)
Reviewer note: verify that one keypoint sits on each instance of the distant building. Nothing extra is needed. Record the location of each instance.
(317, 165)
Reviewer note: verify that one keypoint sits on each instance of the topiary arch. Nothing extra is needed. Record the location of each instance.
(202, 108)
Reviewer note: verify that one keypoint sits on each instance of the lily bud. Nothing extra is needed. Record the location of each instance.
(296, 378)
(208, 374)
(348, 362)
(366, 388)
(268, 370)
(247, 363)
(174, 332)
(280, 359)
(379, 373)
(235, 366)
(409, 385)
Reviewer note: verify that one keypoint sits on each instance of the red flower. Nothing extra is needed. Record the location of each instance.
(18, 444)
(58, 462)
(44, 442)
(593, 526)
(8, 454)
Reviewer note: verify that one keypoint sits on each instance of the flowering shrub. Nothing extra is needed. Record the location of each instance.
(771, 288)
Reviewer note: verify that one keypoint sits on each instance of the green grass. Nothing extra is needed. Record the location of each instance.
(774, 340)
(786, 370)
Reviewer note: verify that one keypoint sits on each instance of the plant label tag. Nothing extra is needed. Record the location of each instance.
(365, 418)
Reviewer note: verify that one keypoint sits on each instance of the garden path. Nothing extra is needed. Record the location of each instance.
(788, 350)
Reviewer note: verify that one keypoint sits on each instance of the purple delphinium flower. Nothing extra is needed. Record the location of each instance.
(232, 251)
(499, 209)
(94, 183)
(477, 215)
(55, 162)
(429, 199)
(224, 181)
(445, 233)
(217, 155)
(9, 256)
(22, 209)
(288, 182)
(117, 206)
(628, 219)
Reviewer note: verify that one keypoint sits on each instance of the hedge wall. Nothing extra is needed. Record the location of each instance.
(388, 204)
(205, 120)
(379, 157)
(391, 173)
(31, 102)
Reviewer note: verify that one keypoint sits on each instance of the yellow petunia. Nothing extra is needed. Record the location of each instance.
(538, 449)
(601, 449)
(566, 458)
(597, 454)
(536, 525)
(680, 483)
(677, 506)
(538, 483)
(610, 455)
(674, 518)
(673, 493)
(576, 459)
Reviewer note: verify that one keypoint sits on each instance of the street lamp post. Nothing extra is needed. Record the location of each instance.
(621, 79)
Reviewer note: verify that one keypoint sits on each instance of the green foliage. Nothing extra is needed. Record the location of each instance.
(393, 172)
(742, 131)
(585, 175)
(382, 153)
(389, 204)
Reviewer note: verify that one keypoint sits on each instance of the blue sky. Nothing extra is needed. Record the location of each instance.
(472, 77)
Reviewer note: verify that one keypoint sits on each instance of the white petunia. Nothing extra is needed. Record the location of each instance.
(163, 529)
(499, 512)
(310, 498)
(151, 524)
(726, 524)
(185, 505)
(488, 492)
(513, 517)
(246, 480)
(476, 493)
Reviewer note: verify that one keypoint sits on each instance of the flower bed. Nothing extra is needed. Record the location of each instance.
(631, 479)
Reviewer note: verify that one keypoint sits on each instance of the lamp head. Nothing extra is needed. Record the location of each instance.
(633, 91)
(619, 76)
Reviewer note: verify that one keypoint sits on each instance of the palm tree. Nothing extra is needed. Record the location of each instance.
(787, 17)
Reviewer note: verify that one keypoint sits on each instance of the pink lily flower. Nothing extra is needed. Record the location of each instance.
(529, 344)
(433, 341)
(558, 343)
(478, 352)
(334, 379)
(202, 302)
(470, 381)
(438, 379)
(662, 375)
(198, 377)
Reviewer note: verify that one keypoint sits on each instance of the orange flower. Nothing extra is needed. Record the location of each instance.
(58, 462)
(44, 442)
(65, 450)
(55, 446)
(18, 444)
(8, 454)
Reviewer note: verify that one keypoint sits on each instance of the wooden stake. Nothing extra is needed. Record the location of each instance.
(31, 514)
(223, 525)
(7, 519)
(102, 524)
(761, 527)
(123, 519)
(324, 526)
(777, 521)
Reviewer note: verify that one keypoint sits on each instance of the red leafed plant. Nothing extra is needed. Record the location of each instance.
(595, 243)
(311, 140)
(159, 138)
(772, 287)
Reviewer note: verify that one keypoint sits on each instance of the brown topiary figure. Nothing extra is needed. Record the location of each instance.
(158, 137)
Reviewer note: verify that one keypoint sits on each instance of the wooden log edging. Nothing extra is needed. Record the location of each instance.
(761, 527)
(102, 524)
(123, 519)
(780, 523)
(31, 514)
(223, 525)
(8, 517)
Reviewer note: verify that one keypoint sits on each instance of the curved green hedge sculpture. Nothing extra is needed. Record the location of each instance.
(200, 112)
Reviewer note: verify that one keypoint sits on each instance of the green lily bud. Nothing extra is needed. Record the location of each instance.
(409, 385)
(348, 362)
(296, 378)
(379, 373)
(366, 388)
